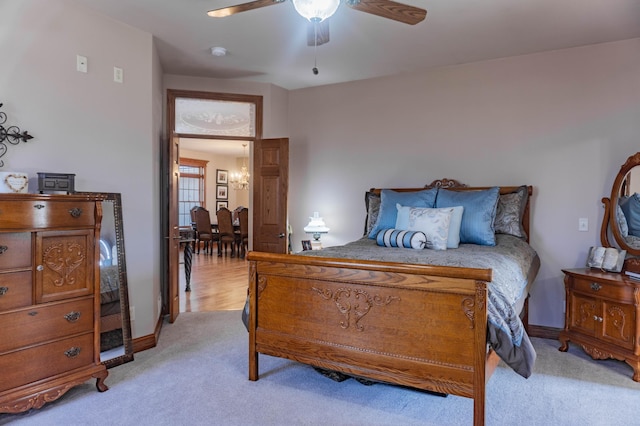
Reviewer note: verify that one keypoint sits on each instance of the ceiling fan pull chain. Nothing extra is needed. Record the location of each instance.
(315, 48)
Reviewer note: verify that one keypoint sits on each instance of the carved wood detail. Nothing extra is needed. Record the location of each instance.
(632, 264)
(468, 308)
(586, 312)
(342, 299)
(596, 353)
(262, 284)
(446, 183)
(64, 259)
(618, 319)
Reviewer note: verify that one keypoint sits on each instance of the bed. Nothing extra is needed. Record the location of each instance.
(384, 314)
(110, 311)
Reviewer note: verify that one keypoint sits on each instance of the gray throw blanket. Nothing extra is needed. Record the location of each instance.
(511, 260)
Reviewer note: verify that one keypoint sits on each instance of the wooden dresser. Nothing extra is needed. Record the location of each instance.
(49, 297)
(603, 315)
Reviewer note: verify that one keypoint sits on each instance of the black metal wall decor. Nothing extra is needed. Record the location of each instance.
(10, 134)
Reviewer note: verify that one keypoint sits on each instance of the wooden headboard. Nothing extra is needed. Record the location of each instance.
(454, 185)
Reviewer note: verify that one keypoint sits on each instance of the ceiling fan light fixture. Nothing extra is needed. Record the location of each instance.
(218, 51)
(316, 10)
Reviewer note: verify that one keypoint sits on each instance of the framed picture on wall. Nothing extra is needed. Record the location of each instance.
(222, 176)
(221, 204)
(222, 192)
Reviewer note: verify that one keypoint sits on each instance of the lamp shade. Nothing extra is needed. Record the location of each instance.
(316, 225)
(316, 10)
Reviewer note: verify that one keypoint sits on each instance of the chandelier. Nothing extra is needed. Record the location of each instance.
(240, 180)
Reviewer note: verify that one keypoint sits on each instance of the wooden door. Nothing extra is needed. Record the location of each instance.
(174, 229)
(270, 187)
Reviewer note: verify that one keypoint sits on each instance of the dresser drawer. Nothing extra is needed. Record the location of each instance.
(15, 250)
(46, 214)
(39, 362)
(16, 290)
(620, 293)
(40, 323)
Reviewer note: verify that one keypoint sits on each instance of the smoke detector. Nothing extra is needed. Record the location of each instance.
(218, 51)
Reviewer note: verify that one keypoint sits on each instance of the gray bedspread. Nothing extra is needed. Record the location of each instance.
(513, 262)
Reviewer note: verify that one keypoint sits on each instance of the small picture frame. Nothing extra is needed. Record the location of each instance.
(221, 204)
(222, 176)
(222, 192)
(306, 245)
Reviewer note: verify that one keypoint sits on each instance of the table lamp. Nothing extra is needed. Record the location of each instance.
(316, 227)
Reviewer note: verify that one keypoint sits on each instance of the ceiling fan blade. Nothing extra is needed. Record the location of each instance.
(232, 10)
(390, 9)
(320, 31)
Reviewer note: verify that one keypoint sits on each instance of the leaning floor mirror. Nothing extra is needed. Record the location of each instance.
(116, 346)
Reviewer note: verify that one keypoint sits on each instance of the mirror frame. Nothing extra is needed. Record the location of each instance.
(116, 199)
(609, 222)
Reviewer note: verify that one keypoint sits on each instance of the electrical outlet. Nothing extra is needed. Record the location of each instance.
(82, 64)
(583, 224)
(118, 75)
(132, 313)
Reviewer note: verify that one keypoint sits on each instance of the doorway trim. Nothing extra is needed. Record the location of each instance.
(169, 250)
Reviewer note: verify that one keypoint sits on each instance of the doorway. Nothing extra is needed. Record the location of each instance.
(218, 278)
(241, 121)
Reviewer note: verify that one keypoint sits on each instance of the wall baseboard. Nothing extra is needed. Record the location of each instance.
(149, 341)
(543, 332)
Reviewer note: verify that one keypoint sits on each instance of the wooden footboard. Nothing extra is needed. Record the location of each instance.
(414, 325)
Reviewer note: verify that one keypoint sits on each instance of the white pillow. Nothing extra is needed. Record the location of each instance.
(453, 236)
(434, 223)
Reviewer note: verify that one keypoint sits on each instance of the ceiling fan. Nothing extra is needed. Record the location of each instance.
(317, 11)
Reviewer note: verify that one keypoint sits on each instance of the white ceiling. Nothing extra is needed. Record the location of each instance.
(214, 146)
(269, 44)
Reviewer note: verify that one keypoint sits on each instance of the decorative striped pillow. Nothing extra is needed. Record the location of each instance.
(399, 238)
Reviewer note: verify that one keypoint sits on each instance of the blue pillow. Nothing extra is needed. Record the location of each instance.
(388, 211)
(631, 209)
(478, 214)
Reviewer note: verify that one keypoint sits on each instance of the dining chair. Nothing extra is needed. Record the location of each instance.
(225, 230)
(204, 233)
(243, 236)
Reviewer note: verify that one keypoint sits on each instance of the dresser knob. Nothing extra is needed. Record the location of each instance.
(595, 286)
(75, 212)
(39, 268)
(3, 249)
(3, 290)
(597, 318)
(72, 316)
(72, 352)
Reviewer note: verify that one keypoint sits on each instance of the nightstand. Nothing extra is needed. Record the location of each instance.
(602, 315)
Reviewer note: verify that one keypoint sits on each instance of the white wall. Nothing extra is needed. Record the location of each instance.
(562, 121)
(104, 132)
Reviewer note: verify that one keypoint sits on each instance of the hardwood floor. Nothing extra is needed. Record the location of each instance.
(217, 283)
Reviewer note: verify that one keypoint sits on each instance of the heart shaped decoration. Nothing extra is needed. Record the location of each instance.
(16, 182)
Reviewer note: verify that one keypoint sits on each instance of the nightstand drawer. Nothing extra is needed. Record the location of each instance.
(620, 293)
(15, 250)
(39, 323)
(46, 214)
(16, 290)
(39, 362)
